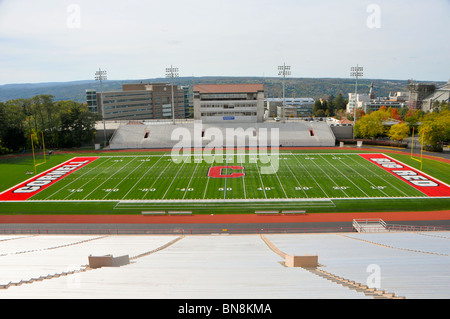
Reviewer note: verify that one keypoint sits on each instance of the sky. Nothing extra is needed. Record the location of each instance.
(69, 40)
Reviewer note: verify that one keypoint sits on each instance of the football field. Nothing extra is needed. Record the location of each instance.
(237, 177)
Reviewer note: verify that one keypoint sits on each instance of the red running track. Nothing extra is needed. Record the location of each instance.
(220, 219)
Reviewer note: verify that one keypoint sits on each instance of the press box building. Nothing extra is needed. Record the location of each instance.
(228, 103)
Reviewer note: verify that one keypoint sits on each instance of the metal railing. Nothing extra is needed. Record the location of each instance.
(393, 228)
(363, 225)
(170, 231)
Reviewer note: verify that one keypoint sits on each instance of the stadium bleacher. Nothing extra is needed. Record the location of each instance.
(147, 135)
(410, 265)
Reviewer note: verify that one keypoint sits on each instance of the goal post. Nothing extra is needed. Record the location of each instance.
(34, 155)
(419, 159)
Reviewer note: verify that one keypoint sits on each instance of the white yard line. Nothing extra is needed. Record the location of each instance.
(173, 179)
(279, 181)
(76, 179)
(386, 195)
(156, 179)
(123, 179)
(311, 176)
(109, 178)
(369, 167)
(90, 180)
(207, 180)
(190, 180)
(148, 170)
(243, 179)
(260, 178)
(344, 176)
(295, 177)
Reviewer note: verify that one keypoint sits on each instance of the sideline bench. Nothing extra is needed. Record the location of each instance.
(180, 213)
(294, 212)
(266, 212)
(154, 213)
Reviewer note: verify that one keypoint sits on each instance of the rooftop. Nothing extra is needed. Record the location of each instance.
(228, 88)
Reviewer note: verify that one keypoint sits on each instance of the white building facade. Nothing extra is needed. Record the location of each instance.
(228, 103)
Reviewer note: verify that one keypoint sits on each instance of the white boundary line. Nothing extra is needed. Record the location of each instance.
(231, 200)
(221, 200)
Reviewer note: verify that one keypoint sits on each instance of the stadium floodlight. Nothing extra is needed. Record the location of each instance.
(284, 70)
(172, 73)
(100, 76)
(355, 71)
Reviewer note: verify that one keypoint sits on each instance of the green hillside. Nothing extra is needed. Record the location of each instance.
(299, 87)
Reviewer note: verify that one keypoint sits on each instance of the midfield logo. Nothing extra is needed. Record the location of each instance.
(216, 172)
(251, 145)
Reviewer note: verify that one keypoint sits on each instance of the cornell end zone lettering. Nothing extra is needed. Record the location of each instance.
(36, 184)
(421, 181)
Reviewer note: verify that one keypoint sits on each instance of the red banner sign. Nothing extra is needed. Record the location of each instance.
(419, 180)
(38, 183)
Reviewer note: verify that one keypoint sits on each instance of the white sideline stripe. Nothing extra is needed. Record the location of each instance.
(250, 200)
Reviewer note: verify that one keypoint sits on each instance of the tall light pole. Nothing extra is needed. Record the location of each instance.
(284, 70)
(100, 76)
(356, 71)
(172, 73)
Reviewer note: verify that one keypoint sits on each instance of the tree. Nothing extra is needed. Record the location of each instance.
(339, 103)
(435, 130)
(398, 132)
(413, 117)
(62, 124)
(331, 105)
(371, 125)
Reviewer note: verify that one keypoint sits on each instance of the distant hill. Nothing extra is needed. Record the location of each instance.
(295, 87)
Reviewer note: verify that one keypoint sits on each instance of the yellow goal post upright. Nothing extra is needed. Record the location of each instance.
(421, 148)
(34, 156)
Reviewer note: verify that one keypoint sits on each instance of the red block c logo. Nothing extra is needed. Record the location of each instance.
(216, 172)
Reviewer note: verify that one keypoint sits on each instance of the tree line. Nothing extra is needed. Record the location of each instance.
(432, 128)
(332, 106)
(41, 121)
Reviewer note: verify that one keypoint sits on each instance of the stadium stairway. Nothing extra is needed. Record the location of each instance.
(368, 291)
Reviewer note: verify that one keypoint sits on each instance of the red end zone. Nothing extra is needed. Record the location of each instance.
(417, 179)
(36, 184)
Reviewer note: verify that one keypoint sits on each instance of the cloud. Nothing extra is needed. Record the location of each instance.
(67, 39)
